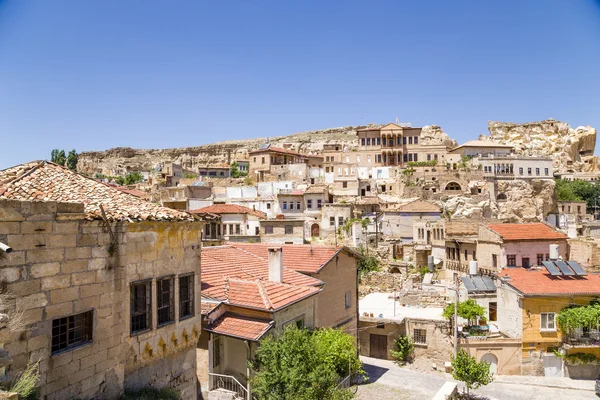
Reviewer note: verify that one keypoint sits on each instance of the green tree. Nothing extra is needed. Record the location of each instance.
(304, 365)
(403, 349)
(72, 160)
(234, 170)
(468, 310)
(133, 178)
(473, 374)
(58, 157)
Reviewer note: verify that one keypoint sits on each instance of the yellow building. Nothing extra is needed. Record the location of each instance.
(529, 302)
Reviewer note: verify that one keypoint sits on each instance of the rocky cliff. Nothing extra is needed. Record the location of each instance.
(571, 149)
(121, 160)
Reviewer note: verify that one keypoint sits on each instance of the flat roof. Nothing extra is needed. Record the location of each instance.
(382, 306)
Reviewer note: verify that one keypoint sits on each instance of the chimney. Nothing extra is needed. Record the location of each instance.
(276, 264)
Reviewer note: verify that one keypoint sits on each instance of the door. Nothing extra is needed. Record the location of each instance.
(314, 230)
(493, 311)
(492, 360)
(525, 262)
(362, 192)
(378, 346)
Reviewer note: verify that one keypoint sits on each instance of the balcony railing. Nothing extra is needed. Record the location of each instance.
(228, 383)
(583, 337)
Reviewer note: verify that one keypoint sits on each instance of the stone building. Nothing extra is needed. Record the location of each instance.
(238, 223)
(108, 285)
(267, 162)
(482, 148)
(282, 231)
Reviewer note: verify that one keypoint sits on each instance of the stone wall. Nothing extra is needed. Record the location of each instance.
(63, 265)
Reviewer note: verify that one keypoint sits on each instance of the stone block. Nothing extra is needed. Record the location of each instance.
(66, 227)
(84, 351)
(85, 304)
(70, 208)
(106, 365)
(10, 214)
(104, 275)
(45, 255)
(59, 362)
(63, 295)
(91, 290)
(24, 288)
(61, 241)
(82, 374)
(55, 385)
(100, 252)
(88, 239)
(10, 274)
(14, 258)
(32, 316)
(36, 227)
(70, 392)
(59, 310)
(16, 347)
(32, 301)
(92, 383)
(38, 342)
(96, 264)
(78, 253)
(56, 282)
(74, 266)
(10, 228)
(45, 269)
(94, 359)
(25, 242)
(83, 278)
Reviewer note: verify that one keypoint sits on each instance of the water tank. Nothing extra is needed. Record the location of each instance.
(472, 267)
(430, 263)
(554, 252)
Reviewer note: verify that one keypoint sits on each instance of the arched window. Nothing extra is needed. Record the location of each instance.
(501, 197)
(453, 186)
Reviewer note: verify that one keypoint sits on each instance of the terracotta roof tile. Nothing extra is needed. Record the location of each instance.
(229, 209)
(538, 282)
(207, 306)
(46, 181)
(533, 231)
(240, 277)
(230, 324)
(299, 257)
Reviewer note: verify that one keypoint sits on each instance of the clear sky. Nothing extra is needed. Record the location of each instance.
(92, 75)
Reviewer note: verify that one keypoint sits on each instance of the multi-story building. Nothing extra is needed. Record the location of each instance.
(278, 163)
(238, 223)
(516, 167)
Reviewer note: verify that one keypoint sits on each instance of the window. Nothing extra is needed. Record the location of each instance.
(164, 301)
(289, 229)
(546, 171)
(528, 171)
(319, 203)
(540, 258)
(237, 229)
(285, 205)
(435, 157)
(384, 141)
(263, 160)
(405, 157)
(511, 260)
(300, 323)
(420, 336)
(331, 221)
(548, 321)
(268, 229)
(368, 141)
(309, 203)
(298, 205)
(378, 158)
(416, 140)
(410, 140)
(344, 185)
(428, 157)
(254, 159)
(466, 256)
(410, 157)
(70, 332)
(216, 352)
(362, 141)
(340, 221)
(537, 171)
(186, 296)
(416, 157)
(348, 299)
(521, 171)
(291, 205)
(378, 141)
(268, 206)
(141, 306)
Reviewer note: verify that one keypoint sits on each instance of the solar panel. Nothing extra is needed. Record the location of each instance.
(564, 268)
(551, 268)
(577, 268)
(468, 284)
(489, 283)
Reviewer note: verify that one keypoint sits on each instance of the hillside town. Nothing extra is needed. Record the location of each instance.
(128, 270)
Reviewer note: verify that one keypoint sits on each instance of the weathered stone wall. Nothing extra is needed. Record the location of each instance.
(63, 265)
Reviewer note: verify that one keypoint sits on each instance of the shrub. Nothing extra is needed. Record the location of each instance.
(25, 383)
(403, 349)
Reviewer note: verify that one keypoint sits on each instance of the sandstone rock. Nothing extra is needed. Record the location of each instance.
(434, 135)
(526, 201)
(571, 149)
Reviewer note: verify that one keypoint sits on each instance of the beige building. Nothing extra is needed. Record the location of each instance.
(282, 231)
(263, 159)
(482, 148)
(108, 285)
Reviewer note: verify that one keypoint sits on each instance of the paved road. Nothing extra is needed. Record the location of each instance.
(389, 381)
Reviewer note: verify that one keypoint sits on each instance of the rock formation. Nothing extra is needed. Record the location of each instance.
(571, 149)
(526, 201)
(432, 135)
(122, 160)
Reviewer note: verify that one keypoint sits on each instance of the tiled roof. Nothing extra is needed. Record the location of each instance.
(532, 231)
(207, 306)
(316, 189)
(46, 181)
(538, 282)
(229, 209)
(238, 326)
(277, 150)
(133, 192)
(240, 277)
(299, 257)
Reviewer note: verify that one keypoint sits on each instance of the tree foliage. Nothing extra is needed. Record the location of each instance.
(304, 365)
(235, 172)
(130, 179)
(72, 160)
(468, 310)
(577, 191)
(58, 157)
(571, 318)
(403, 349)
(367, 263)
(473, 374)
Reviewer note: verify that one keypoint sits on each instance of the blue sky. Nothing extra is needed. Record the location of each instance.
(92, 75)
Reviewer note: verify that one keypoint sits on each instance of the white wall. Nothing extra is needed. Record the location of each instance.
(194, 204)
(510, 313)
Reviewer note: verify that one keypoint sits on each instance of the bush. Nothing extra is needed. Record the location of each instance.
(403, 349)
(25, 383)
(468, 310)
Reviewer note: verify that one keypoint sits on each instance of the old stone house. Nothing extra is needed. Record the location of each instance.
(107, 285)
(238, 223)
(271, 163)
(282, 231)
(397, 223)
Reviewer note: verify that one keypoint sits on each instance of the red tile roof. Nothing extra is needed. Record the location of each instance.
(207, 306)
(238, 326)
(304, 258)
(533, 231)
(46, 181)
(538, 282)
(236, 276)
(229, 209)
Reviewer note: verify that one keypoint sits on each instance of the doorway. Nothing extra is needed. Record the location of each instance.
(493, 311)
(314, 230)
(492, 360)
(378, 346)
(525, 262)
